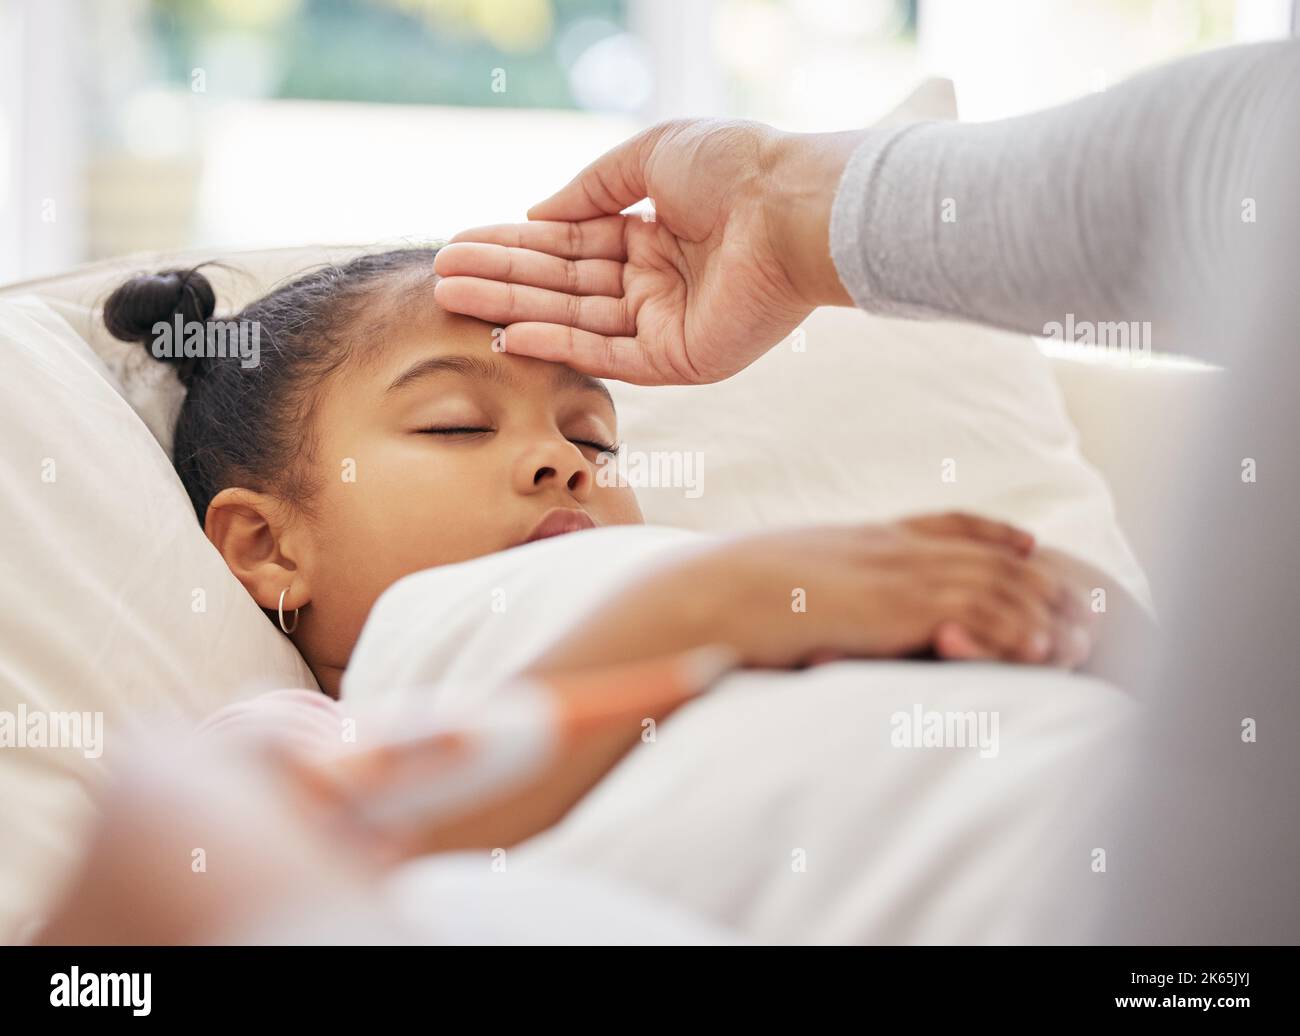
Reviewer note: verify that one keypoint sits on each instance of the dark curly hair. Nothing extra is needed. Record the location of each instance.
(244, 425)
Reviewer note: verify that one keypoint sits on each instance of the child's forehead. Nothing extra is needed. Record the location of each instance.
(397, 323)
(409, 339)
(403, 325)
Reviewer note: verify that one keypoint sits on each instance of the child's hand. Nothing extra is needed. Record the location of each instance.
(957, 585)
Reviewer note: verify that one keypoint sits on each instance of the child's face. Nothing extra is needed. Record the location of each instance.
(401, 489)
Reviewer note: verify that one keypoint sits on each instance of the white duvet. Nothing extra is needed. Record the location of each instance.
(787, 807)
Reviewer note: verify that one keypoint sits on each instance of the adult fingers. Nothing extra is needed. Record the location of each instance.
(511, 265)
(502, 303)
(603, 356)
(601, 238)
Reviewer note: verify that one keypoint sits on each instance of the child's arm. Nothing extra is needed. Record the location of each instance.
(958, 585)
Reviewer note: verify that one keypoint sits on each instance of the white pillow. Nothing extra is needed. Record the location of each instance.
(114, 601)
(862, 418)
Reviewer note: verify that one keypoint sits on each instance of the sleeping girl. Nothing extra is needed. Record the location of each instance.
(379, 435)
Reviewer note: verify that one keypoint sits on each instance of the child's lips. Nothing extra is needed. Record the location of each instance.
(558, 521)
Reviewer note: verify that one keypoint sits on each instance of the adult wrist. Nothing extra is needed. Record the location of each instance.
(804, 175)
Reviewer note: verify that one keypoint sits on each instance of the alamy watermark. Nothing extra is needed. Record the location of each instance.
(923, 728)
(212, 339)
(1131, 338)
(652, 469)
(41, 729)
(73, 988)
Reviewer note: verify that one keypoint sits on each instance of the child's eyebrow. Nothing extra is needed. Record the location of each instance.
(476, 367)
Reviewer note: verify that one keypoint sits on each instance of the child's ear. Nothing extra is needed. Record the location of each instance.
(251, 532)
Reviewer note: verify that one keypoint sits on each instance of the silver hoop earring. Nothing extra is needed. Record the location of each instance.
(287, 629)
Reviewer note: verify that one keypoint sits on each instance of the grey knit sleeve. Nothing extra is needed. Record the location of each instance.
(1112, 207)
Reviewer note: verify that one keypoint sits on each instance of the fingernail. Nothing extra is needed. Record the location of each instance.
(1039, 645)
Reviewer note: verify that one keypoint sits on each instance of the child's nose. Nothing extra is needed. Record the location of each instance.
(557, 463)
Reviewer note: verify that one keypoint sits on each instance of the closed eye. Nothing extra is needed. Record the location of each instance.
(453, 431)
(599, 447)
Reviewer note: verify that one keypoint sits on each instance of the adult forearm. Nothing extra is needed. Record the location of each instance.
(1115, 207)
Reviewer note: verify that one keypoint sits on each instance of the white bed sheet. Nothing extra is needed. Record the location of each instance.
(777, 805)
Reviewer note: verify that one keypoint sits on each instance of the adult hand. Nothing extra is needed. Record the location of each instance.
(736, 257)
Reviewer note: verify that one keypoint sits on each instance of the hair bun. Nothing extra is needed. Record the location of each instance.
(137, 305)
